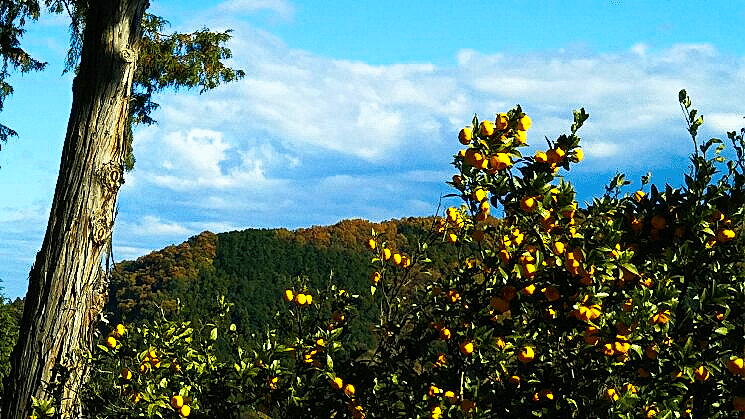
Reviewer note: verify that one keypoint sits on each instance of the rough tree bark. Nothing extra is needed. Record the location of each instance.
(67, 284)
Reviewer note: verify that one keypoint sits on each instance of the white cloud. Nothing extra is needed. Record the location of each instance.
(306, 140)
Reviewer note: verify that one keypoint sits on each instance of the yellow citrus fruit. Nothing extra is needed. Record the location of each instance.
(177, 401)
(526, 354)
(386, 254)
(555, 155)
(502, 121)
(433, 391)
(126, 374)
(529, 204)
(559, 248)
(185, 411)
(650, 412)
(466, 347)
(452, 238)
(499, 161)
(579, 155)
(540, 157)
(337, 383)
(479, 195)
(486, 128)
(612, 394)
(371, 244)
(120, 330)
(445, 333)
(111, 342)
(736, 366)
(289, 296)
(349, 390)
(521, 138)
(701, 373)
(524, 123)
(451, 396)
(436, 412)
(397, 259)
(465, 135)
(725, 235)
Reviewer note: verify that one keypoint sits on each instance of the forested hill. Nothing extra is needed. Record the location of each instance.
(250, 268)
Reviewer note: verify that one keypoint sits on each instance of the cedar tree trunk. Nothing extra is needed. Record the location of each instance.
(67, 284)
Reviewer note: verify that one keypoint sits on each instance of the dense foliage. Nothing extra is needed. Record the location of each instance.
(633, 306)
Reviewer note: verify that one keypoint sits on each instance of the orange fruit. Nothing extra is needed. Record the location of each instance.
(555, 155)
(185, 411)
(529, 204)
(126, 374)
(559, 248)
(397, 259)
(486, 129)
(502, 121)
(375, 277)
(371, 244)
(611, 394)
(466, 348)
(521, 138)
(529, 289)
(526, 355)
(436, 412)
(349, 390)
(736, 366)
(465, 135)
(514, 380)
(701, 373)
(451, 396)
(540, 157)
(499, 161)
(111, 342)
(433, 391)
(479, 195)
(119, 330)
(337, 383)
(725, 235)
(639, 195)
(289, 296)
(551, 293)
(177, 401)
(524, 123)
(301, 299)
(386, 254)
(445, 333)
(452, 238)
(579, 155)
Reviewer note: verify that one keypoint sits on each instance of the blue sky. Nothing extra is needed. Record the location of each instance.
(351, 110)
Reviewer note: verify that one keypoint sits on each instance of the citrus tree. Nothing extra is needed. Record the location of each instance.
(630, 306)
